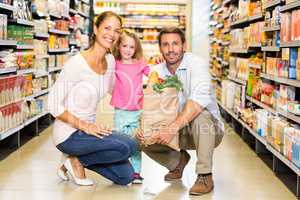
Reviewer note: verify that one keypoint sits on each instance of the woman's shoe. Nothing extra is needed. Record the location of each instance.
(78, 181)
(63, 175)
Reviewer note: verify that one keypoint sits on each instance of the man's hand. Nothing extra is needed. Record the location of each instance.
(139, 134)
(165, 134)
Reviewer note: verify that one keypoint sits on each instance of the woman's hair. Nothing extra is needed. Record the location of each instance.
(99, 20)
(138, 51)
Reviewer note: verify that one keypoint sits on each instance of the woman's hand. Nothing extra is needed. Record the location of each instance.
(97, 130)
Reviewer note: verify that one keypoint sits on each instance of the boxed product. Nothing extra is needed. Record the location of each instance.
(267, 94)
(262, 118)
(271, 66)
(243, 69)
(286, 94)
(276, 137)
(294, 107)
(285, 29)
(283, 68)
(293, 62)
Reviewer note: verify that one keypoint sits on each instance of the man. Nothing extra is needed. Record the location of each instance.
(198, 122)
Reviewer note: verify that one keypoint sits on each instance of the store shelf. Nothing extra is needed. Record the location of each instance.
(271, 49)
(41, 74)
(42, 56)
(289, 115)
(26, 71)
(59, 50)
(7, 70)
(226, 16)
(256, 66)
(220, 26)
(225, 43)
(227, 2)
(226, 30)
(286, 81)
(86, 2)
(255, 45)
(290, 44)
(12, 131)
(29, 121)
(59, 32)
(258, 137)
(272, 28)
(271, 4)
(281, 157)
(73, 43)
(55, 16)
(224, 63)
(237, 50)
(40, 93)
(240, 22)
(82, 14)
(25, 46)
(290, 6)
(255, 17)
(237, 80)
(144, 26)
(8, 43)
(11, 102)
(22, 22)
(7, 7)
(41, 35)
(262, 105)
(54, 69)
(72, 11)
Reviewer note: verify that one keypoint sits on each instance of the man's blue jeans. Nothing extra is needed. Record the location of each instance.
(107, 156)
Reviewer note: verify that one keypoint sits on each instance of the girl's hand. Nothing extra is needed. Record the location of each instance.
(97, 130)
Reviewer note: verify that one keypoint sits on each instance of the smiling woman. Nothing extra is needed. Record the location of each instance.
(85, 79)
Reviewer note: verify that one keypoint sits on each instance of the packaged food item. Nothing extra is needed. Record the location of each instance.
(287, 93)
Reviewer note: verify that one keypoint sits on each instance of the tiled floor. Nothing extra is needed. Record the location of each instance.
(30, 174)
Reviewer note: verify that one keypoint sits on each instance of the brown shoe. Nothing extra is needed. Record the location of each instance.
(204, 184)
(177, 172)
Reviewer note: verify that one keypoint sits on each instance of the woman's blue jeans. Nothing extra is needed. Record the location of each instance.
(107, 156)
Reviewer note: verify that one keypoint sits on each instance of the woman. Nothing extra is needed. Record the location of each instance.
(84, 80)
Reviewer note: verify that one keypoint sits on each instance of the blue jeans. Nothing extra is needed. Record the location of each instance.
(126, 121)
(107, 156)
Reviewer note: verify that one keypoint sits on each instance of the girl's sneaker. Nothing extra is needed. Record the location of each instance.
(137, 179)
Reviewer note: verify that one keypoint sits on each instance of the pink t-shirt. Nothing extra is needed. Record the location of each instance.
(128, 90)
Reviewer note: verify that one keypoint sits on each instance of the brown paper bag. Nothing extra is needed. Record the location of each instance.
(160, 109)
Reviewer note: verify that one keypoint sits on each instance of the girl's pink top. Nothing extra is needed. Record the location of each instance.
(127, 93)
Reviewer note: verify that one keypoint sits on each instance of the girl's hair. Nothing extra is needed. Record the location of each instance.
(99, 20)
(138, 54)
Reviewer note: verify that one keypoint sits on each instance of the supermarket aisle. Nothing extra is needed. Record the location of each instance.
(30, 173)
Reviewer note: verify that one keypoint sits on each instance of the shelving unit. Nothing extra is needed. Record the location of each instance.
(234, 27)
(146, 19)
(45, 72)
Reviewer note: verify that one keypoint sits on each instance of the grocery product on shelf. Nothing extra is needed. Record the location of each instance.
(8, 59)
(22, 34)
(25, 59)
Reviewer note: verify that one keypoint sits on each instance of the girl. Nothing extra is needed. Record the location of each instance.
(85, 79)
(127, 95)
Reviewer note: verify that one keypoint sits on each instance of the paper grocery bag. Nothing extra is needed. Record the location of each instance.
(159, 109)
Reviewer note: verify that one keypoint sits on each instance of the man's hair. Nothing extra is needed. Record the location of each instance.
(168, 30)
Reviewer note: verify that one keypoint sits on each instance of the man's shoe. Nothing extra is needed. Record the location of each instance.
(177, 172)
(204, 184)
